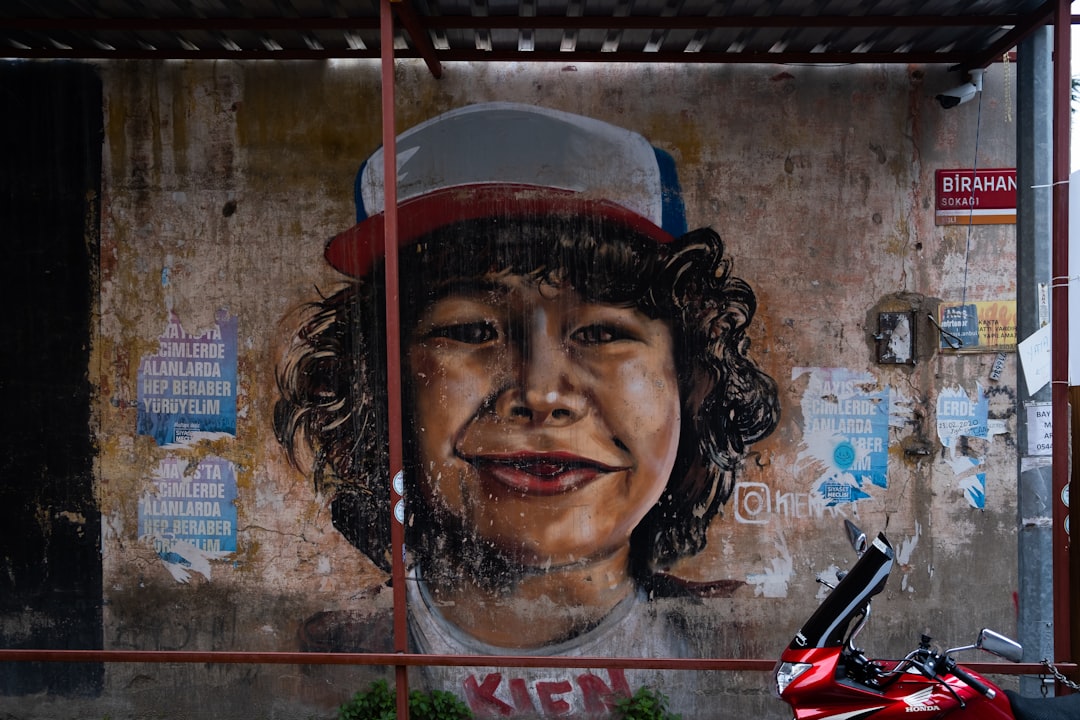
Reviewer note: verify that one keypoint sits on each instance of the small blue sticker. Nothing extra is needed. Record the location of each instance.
(844, 455)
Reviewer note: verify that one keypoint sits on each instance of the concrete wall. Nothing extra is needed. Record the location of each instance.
(222, 182)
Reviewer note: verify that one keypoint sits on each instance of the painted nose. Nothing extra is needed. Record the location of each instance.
(545, 392)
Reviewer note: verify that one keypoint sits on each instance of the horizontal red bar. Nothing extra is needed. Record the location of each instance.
(388, 659)
(412, 659)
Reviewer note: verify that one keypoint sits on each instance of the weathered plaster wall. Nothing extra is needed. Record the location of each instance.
(222, 181)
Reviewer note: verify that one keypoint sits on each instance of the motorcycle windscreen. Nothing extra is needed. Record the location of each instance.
(829, 623)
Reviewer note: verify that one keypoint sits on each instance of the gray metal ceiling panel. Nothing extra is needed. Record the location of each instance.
(950, 31)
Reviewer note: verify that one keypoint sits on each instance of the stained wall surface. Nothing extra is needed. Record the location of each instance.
(222, 183)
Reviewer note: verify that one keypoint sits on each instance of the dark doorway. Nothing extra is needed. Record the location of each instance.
(50, 527)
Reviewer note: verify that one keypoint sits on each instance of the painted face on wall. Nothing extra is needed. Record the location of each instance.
(546, 424)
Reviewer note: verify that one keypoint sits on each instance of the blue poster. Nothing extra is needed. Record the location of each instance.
(187, 390)
(957, 415)
(845, 446)
(189, 516)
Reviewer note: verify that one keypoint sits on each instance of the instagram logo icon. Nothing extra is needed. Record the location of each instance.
(752, 502)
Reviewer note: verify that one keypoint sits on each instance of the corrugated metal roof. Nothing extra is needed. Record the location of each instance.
(967, 33)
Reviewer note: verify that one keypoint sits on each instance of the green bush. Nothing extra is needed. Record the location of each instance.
(379, 703)
(645, 704)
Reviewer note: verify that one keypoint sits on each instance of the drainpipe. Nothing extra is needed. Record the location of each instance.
(1034, 230)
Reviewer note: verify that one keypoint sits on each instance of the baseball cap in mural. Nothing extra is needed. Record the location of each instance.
(509, 160)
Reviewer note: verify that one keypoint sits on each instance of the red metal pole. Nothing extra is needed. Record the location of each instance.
(1059, 315)
(393, 355)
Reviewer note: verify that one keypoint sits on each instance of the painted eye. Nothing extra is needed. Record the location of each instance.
(598, 334)
(472, 333)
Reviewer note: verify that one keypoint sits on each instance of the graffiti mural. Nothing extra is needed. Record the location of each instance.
(578, 389)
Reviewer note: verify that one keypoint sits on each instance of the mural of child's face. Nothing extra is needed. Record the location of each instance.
(546, 424)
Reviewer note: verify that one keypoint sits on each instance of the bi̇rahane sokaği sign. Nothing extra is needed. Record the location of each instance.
(975, 197)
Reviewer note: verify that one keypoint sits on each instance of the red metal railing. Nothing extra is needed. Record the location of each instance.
(414, 659)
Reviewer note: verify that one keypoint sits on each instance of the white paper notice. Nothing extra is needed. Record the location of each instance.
(1035, 358)
(1040, 429)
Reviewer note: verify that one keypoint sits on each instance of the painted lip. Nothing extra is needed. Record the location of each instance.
(541, 474)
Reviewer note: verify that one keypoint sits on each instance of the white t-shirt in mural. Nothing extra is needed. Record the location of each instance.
(635, 628)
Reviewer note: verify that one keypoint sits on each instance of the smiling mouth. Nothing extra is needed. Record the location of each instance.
(547, 474)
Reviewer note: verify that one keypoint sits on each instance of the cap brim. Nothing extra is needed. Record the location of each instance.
(355, 251)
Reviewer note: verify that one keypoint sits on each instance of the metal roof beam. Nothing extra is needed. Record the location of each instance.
(1030, 23)
(419, 34)
(952, 57)
(537, 22)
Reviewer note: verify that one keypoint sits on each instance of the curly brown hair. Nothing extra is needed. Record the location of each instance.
(332, 383)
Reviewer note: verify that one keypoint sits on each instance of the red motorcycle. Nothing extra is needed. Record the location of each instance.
(822, 675)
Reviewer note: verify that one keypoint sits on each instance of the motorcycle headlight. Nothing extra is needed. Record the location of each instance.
(786, 674)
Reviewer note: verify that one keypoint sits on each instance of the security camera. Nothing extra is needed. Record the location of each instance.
(962, 93)
(957, 95)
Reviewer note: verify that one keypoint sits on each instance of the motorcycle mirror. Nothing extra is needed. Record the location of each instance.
(998, 644)
(856, 537)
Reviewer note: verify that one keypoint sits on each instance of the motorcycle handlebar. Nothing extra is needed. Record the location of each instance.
(975, 683)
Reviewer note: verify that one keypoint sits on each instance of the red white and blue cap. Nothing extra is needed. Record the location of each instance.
(509, 160)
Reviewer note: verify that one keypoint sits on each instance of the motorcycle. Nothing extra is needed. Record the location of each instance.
(822, 675)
